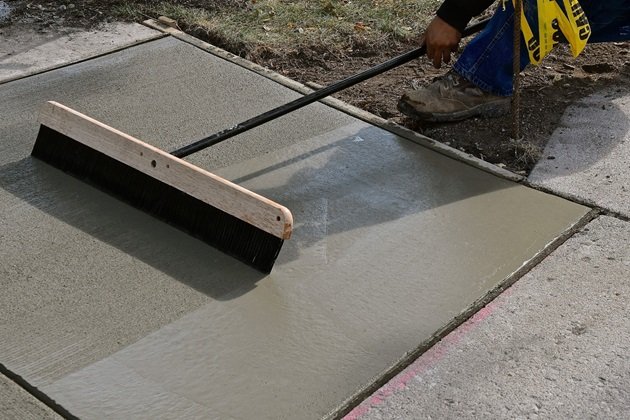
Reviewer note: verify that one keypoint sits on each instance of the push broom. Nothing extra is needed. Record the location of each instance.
(227, 216)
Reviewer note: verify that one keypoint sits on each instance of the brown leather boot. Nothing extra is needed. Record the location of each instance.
(451, 98)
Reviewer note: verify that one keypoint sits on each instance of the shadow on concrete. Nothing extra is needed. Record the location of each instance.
(366, 179)
(151, 241)
(27, 46)
(590, 131)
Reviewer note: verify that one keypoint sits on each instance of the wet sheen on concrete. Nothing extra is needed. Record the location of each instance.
(115, 314)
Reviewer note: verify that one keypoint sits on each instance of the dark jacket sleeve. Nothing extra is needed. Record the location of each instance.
(458, 13)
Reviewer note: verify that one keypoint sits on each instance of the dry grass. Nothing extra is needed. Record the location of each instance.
(526, 154)
(335, 27)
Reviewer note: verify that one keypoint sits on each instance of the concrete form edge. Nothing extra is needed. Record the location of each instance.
(575, 198)
(338, 104)
(36, 393)
(406, 360)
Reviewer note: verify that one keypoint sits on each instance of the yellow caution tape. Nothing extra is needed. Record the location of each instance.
(552, 21)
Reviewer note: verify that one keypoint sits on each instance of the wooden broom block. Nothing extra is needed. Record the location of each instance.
(199, 183)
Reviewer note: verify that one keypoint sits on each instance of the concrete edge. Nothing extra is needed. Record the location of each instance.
(406, 360)
(81, 60)
(576, 199)
(338, 104)
(381, 379)
(36, 393)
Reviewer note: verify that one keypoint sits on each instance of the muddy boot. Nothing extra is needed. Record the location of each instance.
(451, 98)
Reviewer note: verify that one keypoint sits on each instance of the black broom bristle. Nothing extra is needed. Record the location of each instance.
(227, 233)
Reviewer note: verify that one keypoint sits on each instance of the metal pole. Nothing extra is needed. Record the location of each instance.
(516, 70)
(311, 97)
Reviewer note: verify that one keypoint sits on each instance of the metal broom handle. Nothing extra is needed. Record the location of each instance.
(311, 97)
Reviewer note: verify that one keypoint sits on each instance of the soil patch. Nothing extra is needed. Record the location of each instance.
(547, 90)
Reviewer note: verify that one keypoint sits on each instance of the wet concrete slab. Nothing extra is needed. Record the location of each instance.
(588, 157)
(25, 51)
(115, 314)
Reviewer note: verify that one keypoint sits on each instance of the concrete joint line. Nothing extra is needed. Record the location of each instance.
(82, 60)
(36, 393)
(575, 199)
(339, 105)
(381, 380)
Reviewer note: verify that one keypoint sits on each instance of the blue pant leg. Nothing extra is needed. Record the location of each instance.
(609, 19)
(487, 60)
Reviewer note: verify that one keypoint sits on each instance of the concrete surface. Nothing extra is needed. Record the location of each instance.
(26, 51)
(554, 345)
(16, 403)
(588, 157)
(102, 303)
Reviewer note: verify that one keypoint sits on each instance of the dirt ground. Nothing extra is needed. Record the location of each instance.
(546, 91)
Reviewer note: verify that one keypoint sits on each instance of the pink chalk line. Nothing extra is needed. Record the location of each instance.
(424, 362)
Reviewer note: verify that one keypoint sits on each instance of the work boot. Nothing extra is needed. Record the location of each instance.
(451, 98)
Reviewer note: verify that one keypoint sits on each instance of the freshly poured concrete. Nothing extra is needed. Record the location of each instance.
(115, 314)
(25, 51)
(588, 157)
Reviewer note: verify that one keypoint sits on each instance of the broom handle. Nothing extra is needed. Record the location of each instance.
(311, 97)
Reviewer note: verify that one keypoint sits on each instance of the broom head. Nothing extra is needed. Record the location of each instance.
(231, 218)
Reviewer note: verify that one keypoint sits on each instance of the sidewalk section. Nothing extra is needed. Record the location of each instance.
(114, 314)
(554, 345)
(588, 158)
(25, 52)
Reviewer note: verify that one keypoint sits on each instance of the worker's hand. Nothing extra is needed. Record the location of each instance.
(441, 39)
